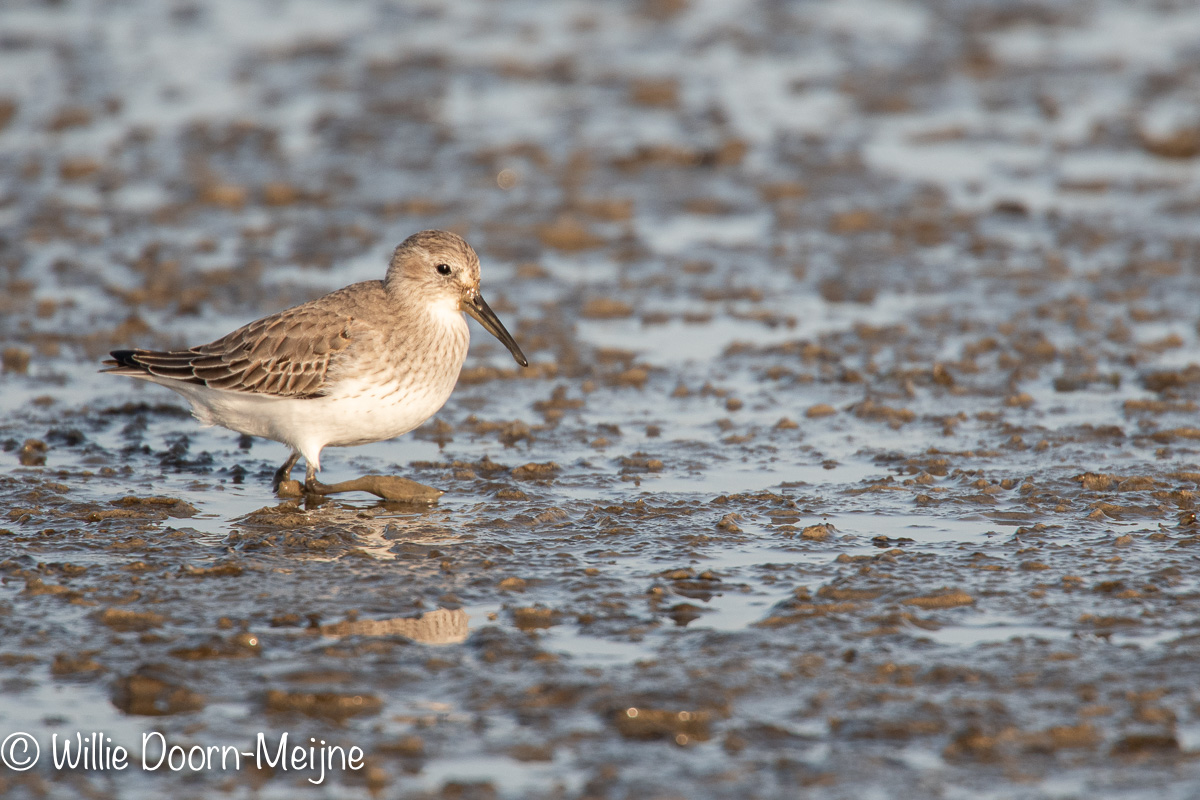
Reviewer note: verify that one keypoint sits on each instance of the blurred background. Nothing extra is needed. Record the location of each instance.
(174, 160)
(860, 431)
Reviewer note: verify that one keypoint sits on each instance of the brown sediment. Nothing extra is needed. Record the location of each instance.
(828, 461)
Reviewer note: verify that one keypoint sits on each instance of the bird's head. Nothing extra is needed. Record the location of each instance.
(442, 268)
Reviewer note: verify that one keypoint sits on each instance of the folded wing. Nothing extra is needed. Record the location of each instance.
(287, 355)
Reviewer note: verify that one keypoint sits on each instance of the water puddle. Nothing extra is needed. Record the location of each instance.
(985, 629)
(507, 776)
(977, 629)
(775, 265)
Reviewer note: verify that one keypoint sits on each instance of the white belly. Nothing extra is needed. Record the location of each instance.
(358, 414)
(370, 413)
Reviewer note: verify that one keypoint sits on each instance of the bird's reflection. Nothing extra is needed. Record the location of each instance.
(440, 626)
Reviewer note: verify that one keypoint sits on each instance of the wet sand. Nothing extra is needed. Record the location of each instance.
(858, 456)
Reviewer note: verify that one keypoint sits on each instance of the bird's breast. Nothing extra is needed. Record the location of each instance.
(397, 387)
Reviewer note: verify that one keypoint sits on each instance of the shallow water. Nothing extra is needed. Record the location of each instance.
(863, 339)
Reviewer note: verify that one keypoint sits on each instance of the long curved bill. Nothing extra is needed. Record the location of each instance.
(482, 312)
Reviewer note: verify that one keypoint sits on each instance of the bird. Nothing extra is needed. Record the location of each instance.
(362, 364)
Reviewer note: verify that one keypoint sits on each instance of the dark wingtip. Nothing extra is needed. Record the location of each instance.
(123, 358)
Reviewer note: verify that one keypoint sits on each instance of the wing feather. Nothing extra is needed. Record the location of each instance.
(286, 354)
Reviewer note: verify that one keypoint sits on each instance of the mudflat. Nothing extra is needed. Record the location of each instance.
(857, 457)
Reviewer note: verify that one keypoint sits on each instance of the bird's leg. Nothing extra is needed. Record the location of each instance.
(312, 485)
(285, 472)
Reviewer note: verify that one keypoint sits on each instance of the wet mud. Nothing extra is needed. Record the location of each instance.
(858, 455)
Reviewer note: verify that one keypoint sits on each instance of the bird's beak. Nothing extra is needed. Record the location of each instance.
(475, 305)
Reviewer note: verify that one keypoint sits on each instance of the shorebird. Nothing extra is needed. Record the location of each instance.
(365, 363)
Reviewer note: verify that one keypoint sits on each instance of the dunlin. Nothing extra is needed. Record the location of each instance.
(362, 364)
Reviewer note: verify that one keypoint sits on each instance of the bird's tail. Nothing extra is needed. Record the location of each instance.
(123, 362)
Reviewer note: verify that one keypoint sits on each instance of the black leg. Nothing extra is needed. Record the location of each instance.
(312, 485)
(285, 472)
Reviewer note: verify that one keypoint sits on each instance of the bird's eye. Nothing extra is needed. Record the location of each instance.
(443, 269)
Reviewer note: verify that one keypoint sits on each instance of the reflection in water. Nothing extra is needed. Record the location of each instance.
(440, 626)
(959, 215)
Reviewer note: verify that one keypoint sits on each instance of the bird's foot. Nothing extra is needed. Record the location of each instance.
(282, 484)
(289, 488)
(313, 486)
(387, 487)
(282, 476)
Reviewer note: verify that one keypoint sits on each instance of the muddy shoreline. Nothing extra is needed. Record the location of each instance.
(858, 455)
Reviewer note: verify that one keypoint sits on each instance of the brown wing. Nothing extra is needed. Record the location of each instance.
(286, 354)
